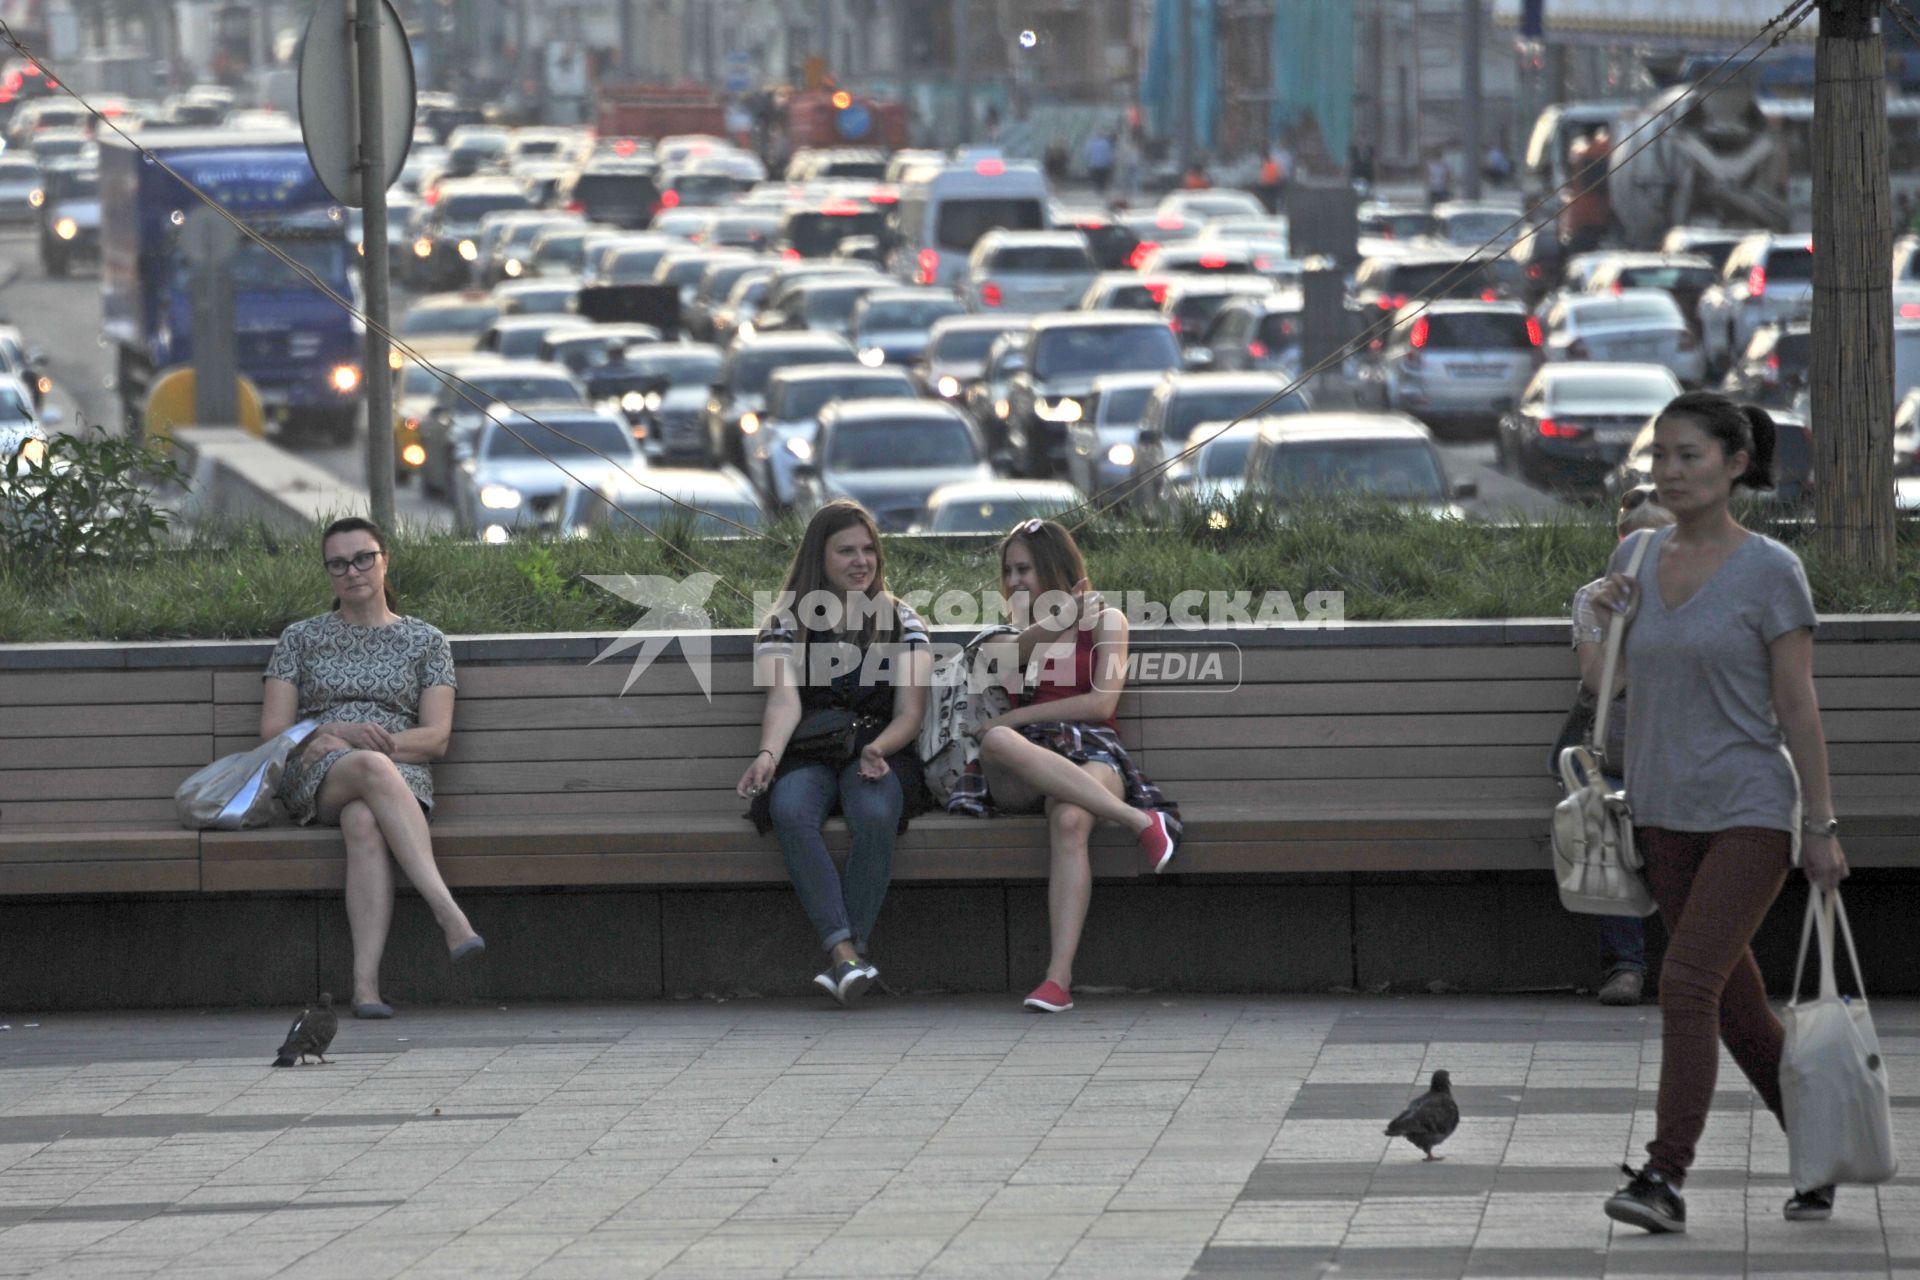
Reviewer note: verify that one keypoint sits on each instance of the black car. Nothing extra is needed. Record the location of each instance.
(739, 392)
(1113, 242)
(614, 192)
(818, 230)
(447, 249)
(1773, 368)
(1065, 352)
(1576, 422)
(69, 214)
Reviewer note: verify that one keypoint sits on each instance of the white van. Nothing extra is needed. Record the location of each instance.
(944, 210)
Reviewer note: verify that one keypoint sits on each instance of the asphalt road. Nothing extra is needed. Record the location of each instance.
(62, 318)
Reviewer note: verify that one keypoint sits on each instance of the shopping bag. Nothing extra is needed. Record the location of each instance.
(238, 791)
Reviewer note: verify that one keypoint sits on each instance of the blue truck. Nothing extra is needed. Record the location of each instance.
(300, 350)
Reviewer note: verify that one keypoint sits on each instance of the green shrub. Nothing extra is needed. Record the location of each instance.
(84, 501)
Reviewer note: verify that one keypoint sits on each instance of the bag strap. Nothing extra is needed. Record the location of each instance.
(1616, 632)
(1806, 933)
(1846, 933)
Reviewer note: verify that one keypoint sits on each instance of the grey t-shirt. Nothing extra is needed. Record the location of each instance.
(1704, 750)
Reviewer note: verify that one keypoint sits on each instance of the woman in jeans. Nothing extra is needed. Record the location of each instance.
(1721, 715)
(1059, 749)
(381, 686)
(844, 646)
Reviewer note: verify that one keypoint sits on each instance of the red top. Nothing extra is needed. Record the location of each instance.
(1050, 689)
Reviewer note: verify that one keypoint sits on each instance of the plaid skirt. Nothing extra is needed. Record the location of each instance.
(1079, 743)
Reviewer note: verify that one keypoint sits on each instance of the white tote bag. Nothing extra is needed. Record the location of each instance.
(1833, 1081)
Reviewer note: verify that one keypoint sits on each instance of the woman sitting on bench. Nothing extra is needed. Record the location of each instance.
(381, 686)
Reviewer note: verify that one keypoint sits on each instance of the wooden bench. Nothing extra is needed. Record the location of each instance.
(1381, 748)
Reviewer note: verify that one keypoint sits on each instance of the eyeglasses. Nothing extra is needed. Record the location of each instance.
(359, 564)
(1029, 527)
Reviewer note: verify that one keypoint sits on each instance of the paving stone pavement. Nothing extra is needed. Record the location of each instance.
(1136, 1137)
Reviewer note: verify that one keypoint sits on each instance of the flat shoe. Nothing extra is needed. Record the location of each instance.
(373, 1009)
(471, 947)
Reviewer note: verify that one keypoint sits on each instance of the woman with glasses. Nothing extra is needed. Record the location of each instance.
(381, 687)
(1059, 747)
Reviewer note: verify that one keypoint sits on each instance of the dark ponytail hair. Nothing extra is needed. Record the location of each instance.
(1740, 428)
(360, 524)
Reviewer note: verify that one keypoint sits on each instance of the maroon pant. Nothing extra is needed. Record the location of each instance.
(1714, 889)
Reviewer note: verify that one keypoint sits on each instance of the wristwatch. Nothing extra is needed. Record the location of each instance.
(1826, 827)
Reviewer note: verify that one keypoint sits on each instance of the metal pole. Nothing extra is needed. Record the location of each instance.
(963, 66)
(1184, 108)
(377, 379)
(1470, 104)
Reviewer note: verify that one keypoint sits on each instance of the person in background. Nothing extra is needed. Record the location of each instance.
(1439, 177)
(1623, 939)
(1196, 178)
(1100, 161)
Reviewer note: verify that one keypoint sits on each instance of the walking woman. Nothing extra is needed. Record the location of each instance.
(381, 686)
(848, 669)
(1060, 748)
(1721, 716)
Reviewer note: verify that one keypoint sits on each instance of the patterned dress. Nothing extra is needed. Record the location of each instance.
(345, 671)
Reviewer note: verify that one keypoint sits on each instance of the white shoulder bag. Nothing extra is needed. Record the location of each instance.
(1594, 861)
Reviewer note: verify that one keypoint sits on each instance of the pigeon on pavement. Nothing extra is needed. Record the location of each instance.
(310, 1033)
(1429, 1119)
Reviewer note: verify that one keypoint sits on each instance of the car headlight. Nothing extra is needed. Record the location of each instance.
(801, 448)
(948, 386)
(1121, 455)
(1001, 409)
(469, 250)
(43, 384)
(633, 402)
(345, 378)
(395, 361)
(652, 401)
(749, 423)
(512, 267)
(499, 497)
(495, 535)
(36, 197)
(66, 228)
(414, 455)
(1065, 409)
(872, 357)
(423, 248)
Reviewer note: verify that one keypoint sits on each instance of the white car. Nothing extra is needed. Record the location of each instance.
(796, 396)
(993, 506)
(1027, 271)
(1211, 203)
(1634, 325)
(889, 456)
(714, 502)
(508, 480)
(1768, 279)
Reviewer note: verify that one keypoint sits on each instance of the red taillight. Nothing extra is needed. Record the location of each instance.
(1560, 430)
(1757, 283)
(1392, 301)
(1489, 295)
(1140, 252)
(1534, 336)
(990, 294)
(841, 209)
(1577, 349)
(1534, 271)
(882, 197)
(1421, 330)
(1616, 288)
(1158, 292)
(791, 254)
(1256, 350)
(1212, 261)
(623, 146)
(1170, 224)
(929, 266)
(1773, 367)
(433, 195)
(990, 168)
(576, 206)
(669, 199)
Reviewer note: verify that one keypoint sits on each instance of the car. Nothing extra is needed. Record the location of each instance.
(711, 503)
(681, 224)
(508, 480)
(537, 143)
(823, 305)
(816, 230)
(1714, 244)
(1387, 282)
(661, 389)
(740, 388)
(506, 241)
(1259, 332)
(1267, 228)
(1684, 277)
(69, 214)
(634, 259)
(447, 247)
(892, 326)
(740, 229)
(955, 355)
(49, 145)
(944, 211)
(1792, 463)
(445, 324)
(26, 363)
(461, 404)
(812, 163)
(1474, 223)
(616, 191)
(1906, 434)
(1541, 261)
(1192, 301)
(19, 416)
(1772, 370)
(781, 438)
(1124, 291)
(20, 193)
(1101, 444)
(585, 346)
(521, 335)
(560, 252)
(1459, 364)
(741, 305)
(415, 389)
(1213, 202)
(1185, 400)
(699, 187)
(1153, 230)
(420, 162)
(723, 271)
(1577, 419)
(546, 296)
(1065, 352)
(1027, 271)
(1217, 470)
(475, 149)
(993, 506)
(1111, 241)
(890, 456)
(403, 212)
(1632, 325)
(986, 397)
(1767, 279)
(1385, 457)
(1200, 257)
(1384, 225)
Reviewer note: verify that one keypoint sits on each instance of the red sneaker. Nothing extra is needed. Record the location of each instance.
(1050, 997)
(1158, 841)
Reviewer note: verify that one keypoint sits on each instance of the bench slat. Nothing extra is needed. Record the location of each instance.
(115, 875)
(188, 750)
(111, 688)
(109, 720)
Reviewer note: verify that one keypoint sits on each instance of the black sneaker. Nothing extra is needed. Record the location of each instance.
(828, 981)
(853, 977)
(1648, 1202)
(1810, 1206)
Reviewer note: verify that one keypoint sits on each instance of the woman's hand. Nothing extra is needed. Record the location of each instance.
(1823, 861)
(1617, 593)
(873, 765)
(1087, 603)
(320, 742)
(997, 722)
(758, 777)
(364, 735)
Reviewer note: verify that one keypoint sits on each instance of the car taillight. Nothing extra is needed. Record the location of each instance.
(1757, 283)
(1577, 349)
(1533, 271)
(576, 206)
(1421, 330)
(1140, 252)
(990, 168)
(1910, 311)
(793, 254)
(1534, 336)
(990, 294)
(929, 266)
(1158, 292)
(1773, 368)
(669, 199)
(1560, 430)
(1616, 288)
(1213, 261)
(1256, 350)
(1489, 295)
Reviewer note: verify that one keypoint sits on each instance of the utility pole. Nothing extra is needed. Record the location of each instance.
(1184, 109)
(963, 66)
(1851, 377)
(376, 378)
(1470, 99)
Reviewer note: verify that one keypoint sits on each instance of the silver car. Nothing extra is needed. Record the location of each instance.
(507, 477)
(1027, 271)
(1459, 362)
(890, 455)
(19, 189)
(714, 502)
(1101, 443)
(1387, 457)
(796, 395)
(1768, 279)
(1634, 326)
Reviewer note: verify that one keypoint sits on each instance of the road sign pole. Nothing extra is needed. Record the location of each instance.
(377, 378)
(211, 241)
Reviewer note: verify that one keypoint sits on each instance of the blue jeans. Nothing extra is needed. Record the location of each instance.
(801, 801)
(1623, 939)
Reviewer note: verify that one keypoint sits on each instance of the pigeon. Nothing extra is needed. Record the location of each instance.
(1429, 1119)
(310, 1033)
